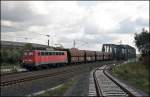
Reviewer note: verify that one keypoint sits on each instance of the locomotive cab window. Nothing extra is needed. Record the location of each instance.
(60, 53)
(46, 53)
(53, 53)
(42, 53)
(50, 53)
(57, 53)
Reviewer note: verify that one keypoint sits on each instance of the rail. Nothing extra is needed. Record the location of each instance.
(35, 77)
(107, 86)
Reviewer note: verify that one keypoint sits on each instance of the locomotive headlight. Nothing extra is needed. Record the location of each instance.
(30, 60)
(27, 60)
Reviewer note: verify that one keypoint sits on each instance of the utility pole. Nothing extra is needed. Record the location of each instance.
(74, 43)
(48, 42)
(48, 39)
(120, 42)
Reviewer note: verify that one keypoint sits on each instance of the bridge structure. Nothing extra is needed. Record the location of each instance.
(120, 51)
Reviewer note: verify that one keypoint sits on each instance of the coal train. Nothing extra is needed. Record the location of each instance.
(59, 56)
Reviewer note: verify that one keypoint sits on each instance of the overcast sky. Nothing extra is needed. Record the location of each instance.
(90, 23)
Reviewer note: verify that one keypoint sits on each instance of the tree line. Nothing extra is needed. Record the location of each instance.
(13, 55)
(142, 41)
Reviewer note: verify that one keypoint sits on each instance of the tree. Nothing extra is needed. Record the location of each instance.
(10, 55)
(16, 55)
(142, 41)
(28, 46)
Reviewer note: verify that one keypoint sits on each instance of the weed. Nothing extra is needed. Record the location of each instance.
(134, 73)
(60, 90)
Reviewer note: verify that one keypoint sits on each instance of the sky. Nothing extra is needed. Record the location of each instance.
(89, 23)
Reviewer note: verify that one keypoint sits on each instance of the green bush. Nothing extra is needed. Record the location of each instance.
(10, 55)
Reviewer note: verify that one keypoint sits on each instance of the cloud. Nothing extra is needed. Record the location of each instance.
(142, 22)
(90, 23)
(16, 11)
(128, 26)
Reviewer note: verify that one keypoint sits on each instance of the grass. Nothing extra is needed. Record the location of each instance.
(61, 89)
(8, 66)
(135, 73)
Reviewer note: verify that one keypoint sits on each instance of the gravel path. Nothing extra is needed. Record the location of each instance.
(80, 88)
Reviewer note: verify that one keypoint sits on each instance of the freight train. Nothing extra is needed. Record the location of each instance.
(59, 57)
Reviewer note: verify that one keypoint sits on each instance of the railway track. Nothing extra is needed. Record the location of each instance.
(19, 77)
(37, 75)
(32, 82)
(105, 85)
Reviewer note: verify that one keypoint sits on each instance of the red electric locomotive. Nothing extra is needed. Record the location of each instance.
(37, 58)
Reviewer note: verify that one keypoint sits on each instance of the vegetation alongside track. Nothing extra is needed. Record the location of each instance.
(11, 57)
(9, 65)
(135, 73)
(9, 68)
